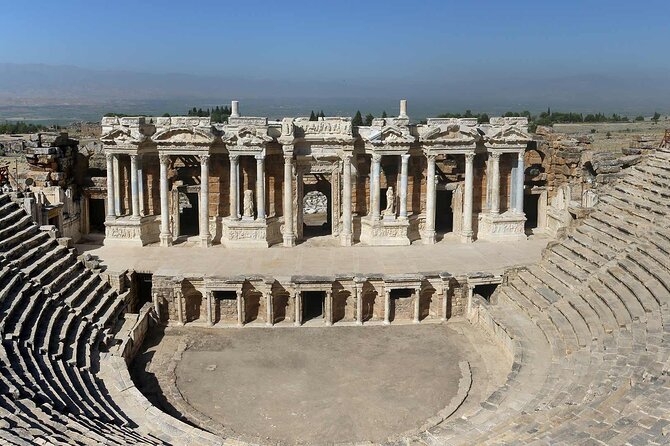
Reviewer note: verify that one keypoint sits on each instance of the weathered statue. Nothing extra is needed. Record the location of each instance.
(390, 203)
(248, 204)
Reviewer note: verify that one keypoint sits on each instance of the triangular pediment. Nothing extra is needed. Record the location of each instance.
(510, 134)
(246, 136)
(391, 134)
(449, 133)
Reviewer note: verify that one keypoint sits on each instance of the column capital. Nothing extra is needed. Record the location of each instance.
(109, 157)
(204, 158)
(260, 157)
(376, 157)
(495, 155)
(470, 156)
(164, 159)
(346, 157)
(288, 158)
(404, 157)
(287, 148)
(233, 156)
(133, 156)
(431, 157)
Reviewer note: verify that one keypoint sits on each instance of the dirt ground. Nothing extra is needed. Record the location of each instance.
(311, 385)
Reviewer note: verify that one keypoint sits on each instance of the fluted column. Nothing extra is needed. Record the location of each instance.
(347, 232)
(466, 236)
(111, 201)
(404, 161)
(134, 195)
(519, 181)
(205, 236)
(234, 186)
(375, 186)
(429, 231)
(240, 308)
(495, 182)
(289, 234)
(165, 235)
(260, 187)
(387, 306)
(140, 185)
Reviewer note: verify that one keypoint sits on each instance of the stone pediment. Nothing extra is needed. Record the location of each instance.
(451, 133)
(508, 135)
(184, 136)
(391, 134)
(121, 136)
(247, 136)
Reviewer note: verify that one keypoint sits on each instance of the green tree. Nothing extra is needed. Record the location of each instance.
(368, 119)
(312, 116)
(166, 115)
(384, 115)
(639, 118)
(321, 114)
(656, 117)
(483, 118)
(358, 119)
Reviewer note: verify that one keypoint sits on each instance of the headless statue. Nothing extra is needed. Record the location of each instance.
(248, 204)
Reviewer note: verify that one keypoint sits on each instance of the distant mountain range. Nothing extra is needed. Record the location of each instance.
(48, 92)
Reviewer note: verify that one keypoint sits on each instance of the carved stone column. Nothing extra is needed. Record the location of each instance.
(519, 182)
(429, 231)
(116, 171)
(205, 236)
(329, 307)
(495, 182)
(134, 194)
(210, 317)
(347, 232)
(289, 234)
(178, 297)
(111, 201)
(269, 306)
(404, 161)
(358, 293)
(240, 308)
(140, 184)
(375, 186)
(234, 186)
(387, 306)
(467, 233)
(297, 296)
(417, 305)
(165, 235)
(260, 187)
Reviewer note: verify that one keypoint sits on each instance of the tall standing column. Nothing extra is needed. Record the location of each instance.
(135, 198)
(375, 186)
(519, 181)
(387, 306)
(165, 235)
(347, 232)
(429, 232)
(111, 201)
(116, 171)
(210, 316)
(495, 182)
(178, 297)
(404, 161)
(289, 235)
(234, 192)
(205, 236)
(466, 236)
(140, 184)
(260, 187)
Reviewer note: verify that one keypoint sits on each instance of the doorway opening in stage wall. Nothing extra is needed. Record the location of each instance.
(96, 215)
(317, 217)
(143, 285)
(188, 214)
(444, 213)
(313, 303)
(530, 208)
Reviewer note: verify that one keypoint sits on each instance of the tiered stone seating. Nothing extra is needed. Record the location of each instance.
(53, 314)
(600, 299)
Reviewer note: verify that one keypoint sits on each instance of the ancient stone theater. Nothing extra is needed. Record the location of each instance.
(297, 281)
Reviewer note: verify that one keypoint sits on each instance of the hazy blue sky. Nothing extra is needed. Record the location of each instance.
(340, 40)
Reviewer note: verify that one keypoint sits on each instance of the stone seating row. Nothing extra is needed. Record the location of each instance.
(593, 320)
(53, 315)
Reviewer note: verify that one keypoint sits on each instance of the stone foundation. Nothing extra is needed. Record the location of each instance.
(502, 227)
(132, 231)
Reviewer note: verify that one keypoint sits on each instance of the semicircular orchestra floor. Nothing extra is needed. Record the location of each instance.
(318, 385)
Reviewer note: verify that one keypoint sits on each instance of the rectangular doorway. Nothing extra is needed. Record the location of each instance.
(444, 213)
(530, 208)
(96, 215)
(225, 306)
(313, 304)
(188, 213)
(143, 285)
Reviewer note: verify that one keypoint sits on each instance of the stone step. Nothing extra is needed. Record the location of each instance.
(625, 208)
(612, 301)
(629, 301)
(56, 253)
(56, 268)
(540, 288)
(589, 243)
(572, 258)
(576, 321)
(637, 288)
(34, 239)
(591, 256)
(16, 232)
